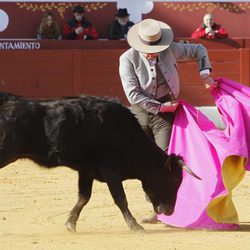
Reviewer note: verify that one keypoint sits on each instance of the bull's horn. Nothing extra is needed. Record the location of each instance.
(185, 167)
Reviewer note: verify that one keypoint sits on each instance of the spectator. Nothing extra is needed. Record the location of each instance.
(49, 29)
(119, 28)
(209, 29)
(78, 28)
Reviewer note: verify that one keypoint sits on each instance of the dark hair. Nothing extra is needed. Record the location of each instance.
(78, 9)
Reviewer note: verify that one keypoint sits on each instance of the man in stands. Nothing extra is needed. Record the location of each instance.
(209, 29)
(119, 28)
(78, 28)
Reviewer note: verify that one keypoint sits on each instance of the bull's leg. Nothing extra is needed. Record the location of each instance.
(118, 194)
(85, 188)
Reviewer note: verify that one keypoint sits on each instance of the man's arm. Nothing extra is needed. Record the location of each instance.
(221, 33)
(113, 35)
(186, 52)
(91, 33)
(198, 33)
(68, 33)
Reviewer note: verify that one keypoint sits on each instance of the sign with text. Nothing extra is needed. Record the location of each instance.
(19, 45)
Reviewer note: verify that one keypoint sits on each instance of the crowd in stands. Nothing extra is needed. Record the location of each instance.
(78, 28)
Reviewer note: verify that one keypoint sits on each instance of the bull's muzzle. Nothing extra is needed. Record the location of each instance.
(186, 168)
(165, 209)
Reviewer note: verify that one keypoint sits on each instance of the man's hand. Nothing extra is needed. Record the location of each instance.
(209, 30)
(79, 30)
(169, 106)
(208, 81)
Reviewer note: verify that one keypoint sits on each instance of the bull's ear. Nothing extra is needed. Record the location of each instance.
(169, 162)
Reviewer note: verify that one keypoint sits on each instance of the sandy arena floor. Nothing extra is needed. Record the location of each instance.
(34, 204)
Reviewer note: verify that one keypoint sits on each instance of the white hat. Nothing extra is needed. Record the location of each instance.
(150, 36)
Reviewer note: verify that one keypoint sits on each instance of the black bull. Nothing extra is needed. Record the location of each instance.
(99, 138)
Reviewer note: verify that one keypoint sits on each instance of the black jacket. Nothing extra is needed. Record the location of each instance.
(116, 31)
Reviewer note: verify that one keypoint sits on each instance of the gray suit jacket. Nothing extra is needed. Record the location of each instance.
(139, 78)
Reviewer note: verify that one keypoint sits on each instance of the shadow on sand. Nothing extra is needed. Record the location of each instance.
(244, 227)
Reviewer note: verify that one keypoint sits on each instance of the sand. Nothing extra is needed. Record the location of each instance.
(34, 204)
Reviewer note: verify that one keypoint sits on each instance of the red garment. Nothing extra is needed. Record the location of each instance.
(219, 32)
(89, 31)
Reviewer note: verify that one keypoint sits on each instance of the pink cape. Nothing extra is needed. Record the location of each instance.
(219, 157)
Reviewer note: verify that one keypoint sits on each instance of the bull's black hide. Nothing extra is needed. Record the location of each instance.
(99, 138)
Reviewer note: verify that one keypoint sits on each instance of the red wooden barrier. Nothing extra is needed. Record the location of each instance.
(64, 72)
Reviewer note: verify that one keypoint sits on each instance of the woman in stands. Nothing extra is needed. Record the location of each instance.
(49, 29)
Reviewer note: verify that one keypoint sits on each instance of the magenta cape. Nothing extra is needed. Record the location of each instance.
(219, 157)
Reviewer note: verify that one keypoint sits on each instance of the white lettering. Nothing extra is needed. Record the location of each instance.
(19, 45)
(1, 45)
(25, 46)
(37, 45)
(10, 46)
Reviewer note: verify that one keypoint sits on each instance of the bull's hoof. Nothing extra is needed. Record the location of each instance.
(137, 228)
(150, 220)
(71, 226)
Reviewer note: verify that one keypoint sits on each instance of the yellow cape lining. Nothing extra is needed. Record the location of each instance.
(222, 209)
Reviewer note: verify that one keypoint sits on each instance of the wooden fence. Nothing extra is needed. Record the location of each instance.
(92, 68)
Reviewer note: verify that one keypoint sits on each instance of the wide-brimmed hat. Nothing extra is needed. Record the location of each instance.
(150, 36)
(122, 13)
